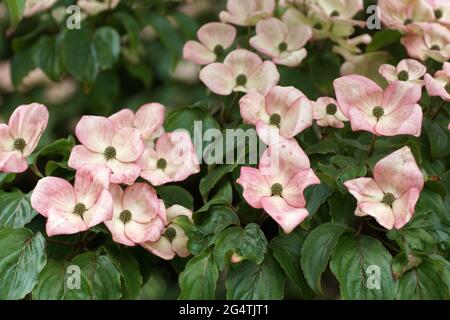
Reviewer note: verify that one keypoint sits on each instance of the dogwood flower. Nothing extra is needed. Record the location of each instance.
(214, 38)
(439, 85)
(284, 46)
(391, 195)
(392, 112)
(285, 110)
(408, 70)
(401, 14)
(138, 214)
(277, 185)
(149, 120)
(430, 40)
(441, 11)
(339, 11)
(173, 159)
(103, 144)
(327, 113)
(173, 240)
(248, 12)
(72, 209)
(94, 7)
(241, 70)
(33, 7)
(20, 136)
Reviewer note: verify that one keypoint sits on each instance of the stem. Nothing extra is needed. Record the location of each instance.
(35, 171)
(372, 145)
(63, 243)
(434, 115)
(262, 218)
(226, 111)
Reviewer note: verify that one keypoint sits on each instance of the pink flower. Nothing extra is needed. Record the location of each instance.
(149, 120)
(401, 14)
(20, 137)
(33, 7)
(285, 110)
(214, 37)
(430, 40)
(104, 144)
(173, 159)
(441, 11)
(391, 195)
(392, 112)
(439, 85)
(327, 113)
(173, 241)
(248, 12)
(241, 70)
(407, 70)
(284, 46)
(339, 11)
(138, 214)
(71, 209)
(277, 185)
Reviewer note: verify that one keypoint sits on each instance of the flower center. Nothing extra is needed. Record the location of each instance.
(407, 21)
(80, 209)
(282, 46)
(447, 87)
(438, 13)
(170, 233)
(403, 76)
(125, 216)
(241, 80)
(388, 199)
(435, 47)
(378, 112)
(161, 163)
(110, 153)
(19, 144)
(335, 13)
(331, 109)
(218, 50)
(277, 189)
(275, 120)
(318, 26)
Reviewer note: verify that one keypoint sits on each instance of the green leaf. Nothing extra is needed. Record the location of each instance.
(250, 281)
(223, 196)
(322, 147)
(315, 196)
(131, 26)
(242, 244)
(187, 25)
(101, 274)
(22, 258)
(129, 271)
(60, 147)
(438, 138)
(383, 39)
(168, 35)
(199, 278)
(342, 208)
(106, 43)
(412, 240)
(16, 9)
(21, 65)
(286, 249)
(175, 195)
(426, 282)
(316, 252)
(208, 227)
(362, 266)
(56, 280)
(46, 56)
(15, 209)
(208, 182)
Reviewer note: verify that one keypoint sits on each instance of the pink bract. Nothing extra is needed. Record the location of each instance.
(439, 85)
(248, 12)
(327, 113)
(391, 195)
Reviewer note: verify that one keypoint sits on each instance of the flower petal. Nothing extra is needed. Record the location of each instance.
(59, 222)
(218, 78)
(297, 118)
(251, 106)
(161, 248)
(128, 144)
(255, 186)
(279, 99)
(389, 72)
(399, 94)
(123, 172)
(364, 190)
(198, 53)
(380, 211)
(293, 192)
(117, 229)
(286, 216)
(28, 122)
(53, 193)
(101, 211)
(406, 119)
(176, 211)
(12, 162)
(90, 181)
(414, 68)
(216, 33)
(149, 119)
(264, 78)
(291, 59)
(81, 156)
(403, 208)
(122, 119)
(95, 133)
(141, 200)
